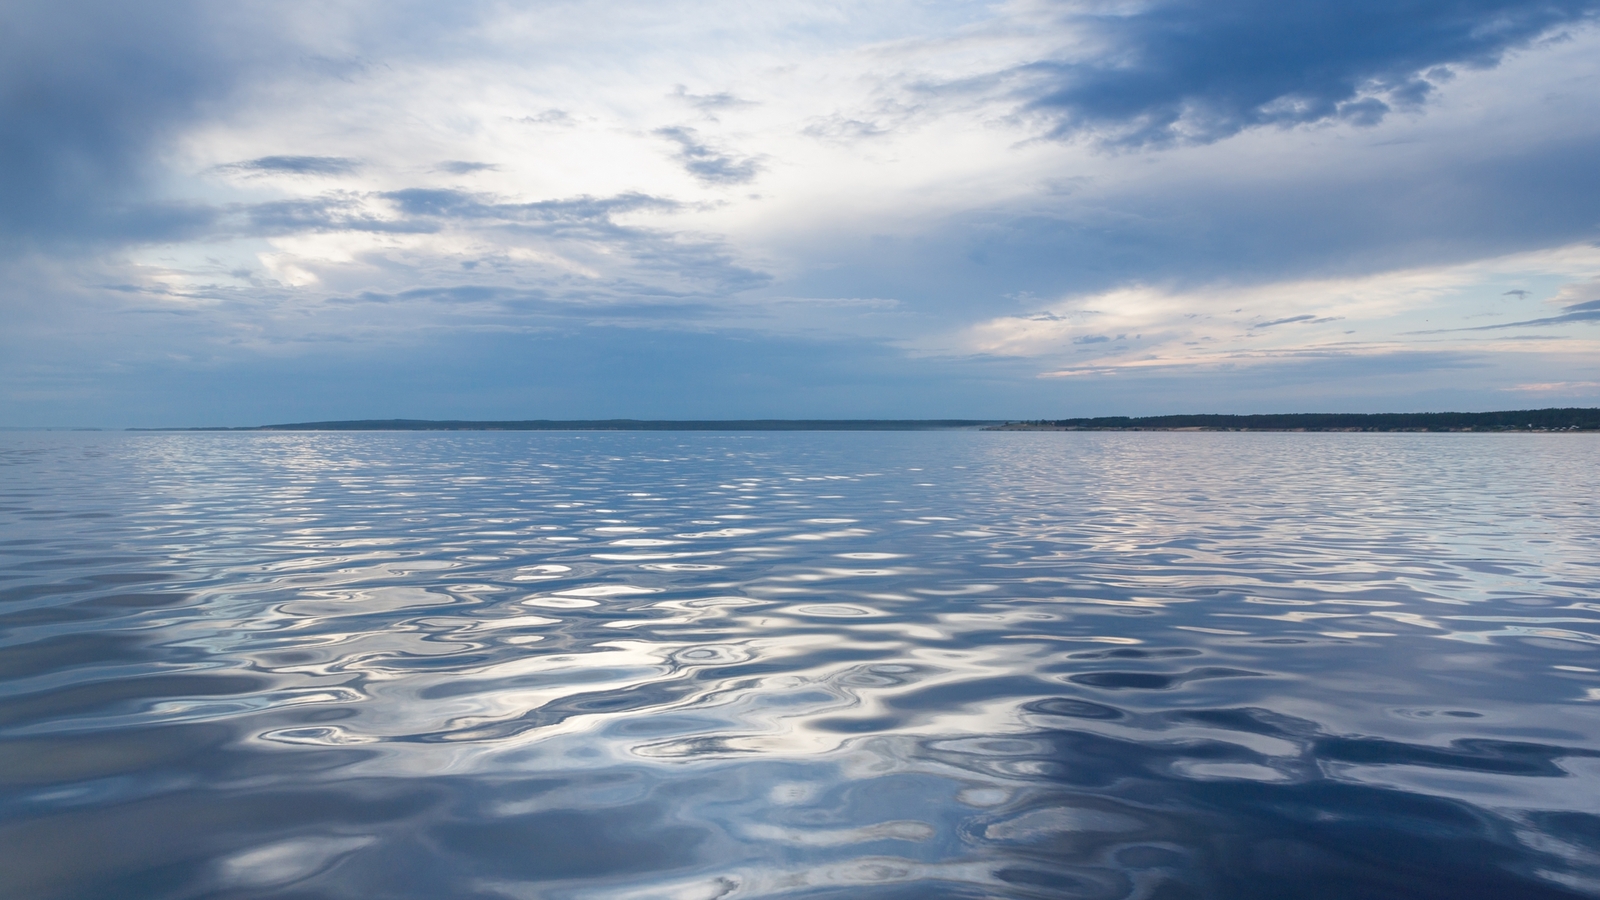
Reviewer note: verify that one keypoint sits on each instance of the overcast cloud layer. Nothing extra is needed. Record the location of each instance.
(274, 211)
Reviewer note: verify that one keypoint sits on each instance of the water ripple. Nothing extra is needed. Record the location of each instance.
(799, 665)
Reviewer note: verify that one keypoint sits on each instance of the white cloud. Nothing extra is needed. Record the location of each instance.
(1141, 326)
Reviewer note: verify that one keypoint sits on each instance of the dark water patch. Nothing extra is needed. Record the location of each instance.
(1224, 837)
(1474, 754)
(1153, 681)
(122, 693)
(1250, 721)
(87, 757)
(1579, 830)
(66, 651)
(32, 617)
(151, 600)
(26, 592)
(76, 563)
(842, 725)
(557, 712)
(1145, 681)
(184, 842)
(1136, 653)
(1077, 709)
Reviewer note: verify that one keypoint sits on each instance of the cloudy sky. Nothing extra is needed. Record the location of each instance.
(249, 212)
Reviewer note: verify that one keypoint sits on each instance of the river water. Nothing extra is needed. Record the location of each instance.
(799, 665)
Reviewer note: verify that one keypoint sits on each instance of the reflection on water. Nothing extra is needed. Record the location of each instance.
(799, 665)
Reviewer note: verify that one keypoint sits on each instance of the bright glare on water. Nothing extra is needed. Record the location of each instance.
(842, 665)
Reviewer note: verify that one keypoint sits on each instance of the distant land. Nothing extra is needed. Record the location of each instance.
(1568, 419)
(615, 425)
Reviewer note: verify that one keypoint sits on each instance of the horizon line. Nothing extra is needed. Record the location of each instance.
(1570, 418)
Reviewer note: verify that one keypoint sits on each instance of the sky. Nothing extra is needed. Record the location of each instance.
(251, 212)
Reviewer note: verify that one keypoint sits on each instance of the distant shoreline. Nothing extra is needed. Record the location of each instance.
(1526, 420)
(1523, 420)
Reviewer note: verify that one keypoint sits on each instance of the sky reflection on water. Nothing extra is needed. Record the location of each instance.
(800, 665)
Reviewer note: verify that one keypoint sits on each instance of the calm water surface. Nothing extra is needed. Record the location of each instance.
(551, 665)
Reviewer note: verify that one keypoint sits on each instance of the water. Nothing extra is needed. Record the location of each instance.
(514, 665)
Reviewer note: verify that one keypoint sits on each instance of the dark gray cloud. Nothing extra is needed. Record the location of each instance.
(1466, 201)
(295, 165)
(93, 91)
(1180, 71)
(88, 90)
(706, 163)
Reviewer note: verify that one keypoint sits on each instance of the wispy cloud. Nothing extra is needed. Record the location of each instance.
(294, 165)
(1573, 300)
(1578, 312)
(1558, 387)
(716, 101)
(709, 165)
(1307, 318)
(465, 167)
